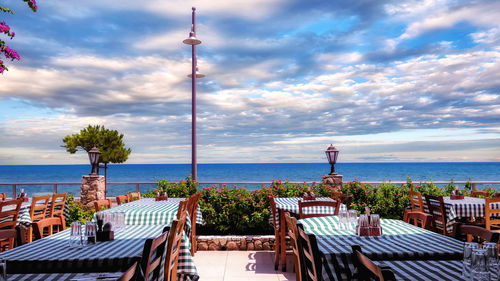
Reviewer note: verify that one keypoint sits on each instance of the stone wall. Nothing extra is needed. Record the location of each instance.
(93, 188)
(236, 243)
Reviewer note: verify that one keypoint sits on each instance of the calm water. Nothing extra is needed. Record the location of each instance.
(245, 173)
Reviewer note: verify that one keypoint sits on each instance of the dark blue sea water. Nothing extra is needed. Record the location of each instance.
(477, 171)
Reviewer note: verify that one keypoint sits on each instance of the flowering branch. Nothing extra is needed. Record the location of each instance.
(8, 52)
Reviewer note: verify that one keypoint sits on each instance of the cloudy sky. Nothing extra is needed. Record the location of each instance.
(384, 81)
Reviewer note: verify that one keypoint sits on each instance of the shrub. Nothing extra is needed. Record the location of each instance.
(76, 212)
(181, 189)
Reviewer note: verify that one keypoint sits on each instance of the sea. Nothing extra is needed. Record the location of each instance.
(257, 172)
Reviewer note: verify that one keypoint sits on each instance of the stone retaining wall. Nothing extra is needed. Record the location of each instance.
(236, 243)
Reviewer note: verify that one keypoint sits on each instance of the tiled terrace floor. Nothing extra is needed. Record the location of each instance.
(240, 265)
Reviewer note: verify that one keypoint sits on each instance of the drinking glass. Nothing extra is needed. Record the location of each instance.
(491, 258)
(75, 238)
(353, 218)
(343, 219)
(121, 216)
(466, 264)
(3, 270)
(90, 233)
(479, 270)
(108, 217)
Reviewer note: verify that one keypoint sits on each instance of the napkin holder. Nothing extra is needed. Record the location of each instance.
(309, 196)
(456, 197)
(161, 198)
(368, 230)
(105, 234)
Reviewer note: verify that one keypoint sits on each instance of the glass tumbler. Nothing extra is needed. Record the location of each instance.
(353, 218)
(3, 270)
(90, 233)
(466, 263)
(344, 219)
(491, 259)
(75, 238)
(479, 270)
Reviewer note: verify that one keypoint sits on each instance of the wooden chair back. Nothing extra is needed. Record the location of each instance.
(39, 226)
(416, 201)
(100, 204)
(7, 238)
(367, 269)
(3, 196)
(57, 205)
(132, 196)
(122, 199)
(346, 200)
(22, 233)
(130, 274)
(308, 204)
(152, 257)
(182, 209)
(435, 205)
(336, 195)
(491, 214)
(309, 254)
(192, 208)
(291, 223)
(479, 193)
(475, 233)
(173, 248)
(420, 219)
(277, 237)
(9, 211)
(37, 210)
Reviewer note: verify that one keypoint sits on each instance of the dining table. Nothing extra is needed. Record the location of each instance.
(149, 212)
(399, 241)
(291, 204)
(425, 270)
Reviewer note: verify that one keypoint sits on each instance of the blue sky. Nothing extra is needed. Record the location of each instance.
(384, 81)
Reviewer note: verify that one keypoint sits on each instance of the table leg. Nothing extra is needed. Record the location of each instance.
(282, 240)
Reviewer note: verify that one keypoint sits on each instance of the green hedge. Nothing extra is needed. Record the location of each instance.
(235, 210)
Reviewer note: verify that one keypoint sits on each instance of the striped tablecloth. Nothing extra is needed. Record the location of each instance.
(430, 270)
(53, 254)
(291, 204)
(108, 276)
(400, 241)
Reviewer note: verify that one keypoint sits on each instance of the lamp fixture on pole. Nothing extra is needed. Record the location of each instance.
(193, 41)
(94, 155)
(332, 153)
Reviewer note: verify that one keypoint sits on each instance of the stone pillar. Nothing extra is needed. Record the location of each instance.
(334, 181)
(92, 189)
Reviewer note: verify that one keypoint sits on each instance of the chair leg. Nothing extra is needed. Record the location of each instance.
(30, 234)
(276, 251)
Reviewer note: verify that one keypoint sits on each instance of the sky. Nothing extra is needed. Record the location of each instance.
(383, 81)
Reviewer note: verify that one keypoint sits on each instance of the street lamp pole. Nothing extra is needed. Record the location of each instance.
(193, 41)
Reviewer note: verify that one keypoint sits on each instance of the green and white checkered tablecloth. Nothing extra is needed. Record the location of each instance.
(291, 204)
(400, 241)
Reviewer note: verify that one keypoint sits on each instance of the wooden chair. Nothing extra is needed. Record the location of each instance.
(173, 248)
(367, 269)
(37, 212)
(49, 223)
(3, 196)
(435, 205)
(476, 233)
(291, 223)
(152, 257)
(336, 195)
(57, 207)
(122, 199)
(99, 204)
(420, 219)
(277, 235)
(346, 200)
(9, 211)
(492, 215)
(416, 202)
(132, 196)
(182, 209)
(192, 208)
(130, 274)
(479, 193)
(309, 204)
(22, 235)
(308, 251)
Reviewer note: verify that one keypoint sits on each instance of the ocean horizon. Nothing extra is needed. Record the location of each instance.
(245, 172)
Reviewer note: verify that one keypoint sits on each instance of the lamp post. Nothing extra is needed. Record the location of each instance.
(94, 155)
(332, 153)
(333, 179)
(193, 41)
